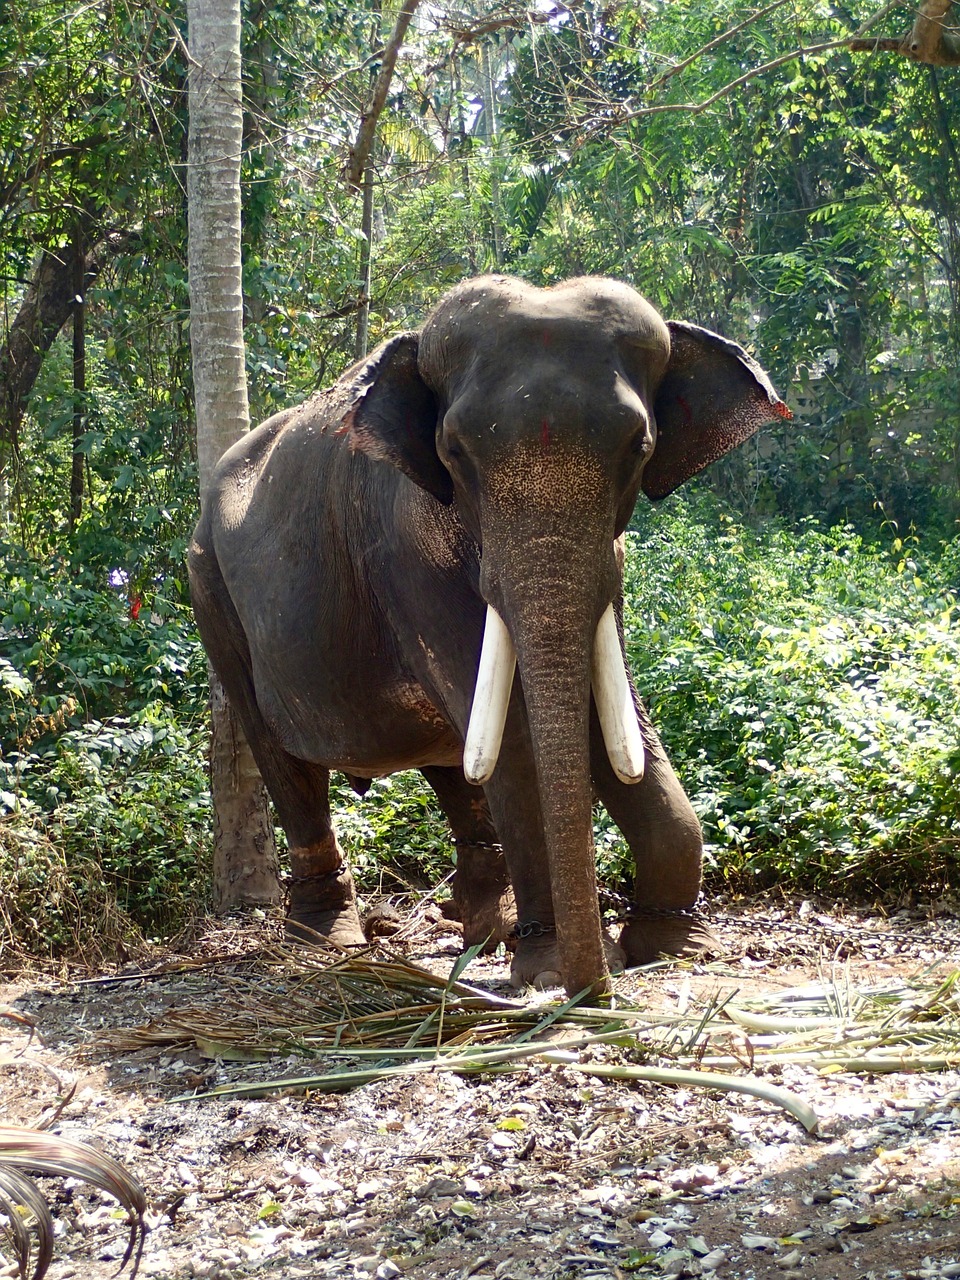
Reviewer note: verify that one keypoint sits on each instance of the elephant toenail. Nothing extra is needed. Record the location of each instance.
(544, 981)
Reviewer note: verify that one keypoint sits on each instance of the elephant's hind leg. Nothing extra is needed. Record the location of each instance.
(482, 896)
(663, 832)
(323, 908)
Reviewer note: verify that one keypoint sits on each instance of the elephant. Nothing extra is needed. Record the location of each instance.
(420, 567)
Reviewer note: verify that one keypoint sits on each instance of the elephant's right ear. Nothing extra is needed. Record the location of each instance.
(392, 415)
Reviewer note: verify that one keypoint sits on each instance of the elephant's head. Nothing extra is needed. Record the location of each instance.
(542, 414)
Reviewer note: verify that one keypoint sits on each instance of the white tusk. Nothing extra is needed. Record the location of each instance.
(618, 715)
(488, 715)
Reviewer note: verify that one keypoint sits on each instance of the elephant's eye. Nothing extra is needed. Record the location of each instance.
(641, 442)
(452, 450)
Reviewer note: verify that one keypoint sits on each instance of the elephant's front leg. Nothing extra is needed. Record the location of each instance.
(663, 832)
(323, 902)
(482, 894)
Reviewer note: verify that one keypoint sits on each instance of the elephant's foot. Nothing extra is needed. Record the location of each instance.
(323, 911)
(482, 897)
(537, 960)
(654, 932)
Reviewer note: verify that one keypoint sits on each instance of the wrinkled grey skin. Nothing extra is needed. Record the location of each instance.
(342, 567)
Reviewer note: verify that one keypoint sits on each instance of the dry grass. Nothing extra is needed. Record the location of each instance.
(50, 910)
(372, 1016)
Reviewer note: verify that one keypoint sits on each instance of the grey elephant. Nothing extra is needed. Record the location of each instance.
(420, 568)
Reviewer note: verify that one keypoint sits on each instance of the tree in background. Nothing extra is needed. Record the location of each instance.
(244, 858)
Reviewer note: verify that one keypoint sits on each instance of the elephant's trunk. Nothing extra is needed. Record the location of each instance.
(551, 597)
(553, 628)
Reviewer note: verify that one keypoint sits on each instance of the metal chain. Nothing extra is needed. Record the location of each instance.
(318, 876)
(636, 912)
(847, 928)
(477, 844)
(624, 909)
(532, 929)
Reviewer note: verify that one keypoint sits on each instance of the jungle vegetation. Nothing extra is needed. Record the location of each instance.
(783, 174)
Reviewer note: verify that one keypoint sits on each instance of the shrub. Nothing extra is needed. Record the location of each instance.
(806, 686)
(103, 785)
(396, 835)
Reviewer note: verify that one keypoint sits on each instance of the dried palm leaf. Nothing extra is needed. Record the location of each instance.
(373, 1017)
(19, 1196)
(24, 1151)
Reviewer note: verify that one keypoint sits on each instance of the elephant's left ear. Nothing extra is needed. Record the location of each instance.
(712, 397)
(392, 415)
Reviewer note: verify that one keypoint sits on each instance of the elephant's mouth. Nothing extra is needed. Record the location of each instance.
(611, 692)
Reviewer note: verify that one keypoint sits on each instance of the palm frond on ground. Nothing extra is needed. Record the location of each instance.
(28, 1225)
(369, 1017)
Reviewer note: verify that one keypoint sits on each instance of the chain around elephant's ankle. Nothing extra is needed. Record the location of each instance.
(637, 912)
(459, 841)
(532, 929)
(317, 877)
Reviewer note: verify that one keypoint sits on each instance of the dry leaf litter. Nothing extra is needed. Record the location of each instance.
(539, 1172)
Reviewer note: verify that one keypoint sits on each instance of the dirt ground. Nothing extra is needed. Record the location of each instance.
(540, 1173)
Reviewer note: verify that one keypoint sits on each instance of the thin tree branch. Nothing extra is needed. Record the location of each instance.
(520, 19)
(713, 44)
(47, 160)
(697, 108)
(360, 151)
(879, 16)
(930, 41)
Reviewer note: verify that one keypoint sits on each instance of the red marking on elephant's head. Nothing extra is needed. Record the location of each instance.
(545, 433)
(687, 411)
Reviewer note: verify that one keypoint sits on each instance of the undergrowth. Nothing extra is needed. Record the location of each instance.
(807, 686)
(104, 805)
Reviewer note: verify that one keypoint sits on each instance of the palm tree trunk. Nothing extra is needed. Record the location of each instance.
(245, 857)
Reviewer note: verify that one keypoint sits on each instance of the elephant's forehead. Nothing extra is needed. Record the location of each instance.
(592, 308)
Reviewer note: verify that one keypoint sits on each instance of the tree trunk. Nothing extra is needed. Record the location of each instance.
(491, 131)
(363, 146)
(244, 857)
(46, 307)
(79, 377)
(245, 866)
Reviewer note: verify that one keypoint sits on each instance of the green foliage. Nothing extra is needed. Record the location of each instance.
(807, 687)
(396, 834)
(131, 796)
(97, 639)
(102, 749)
